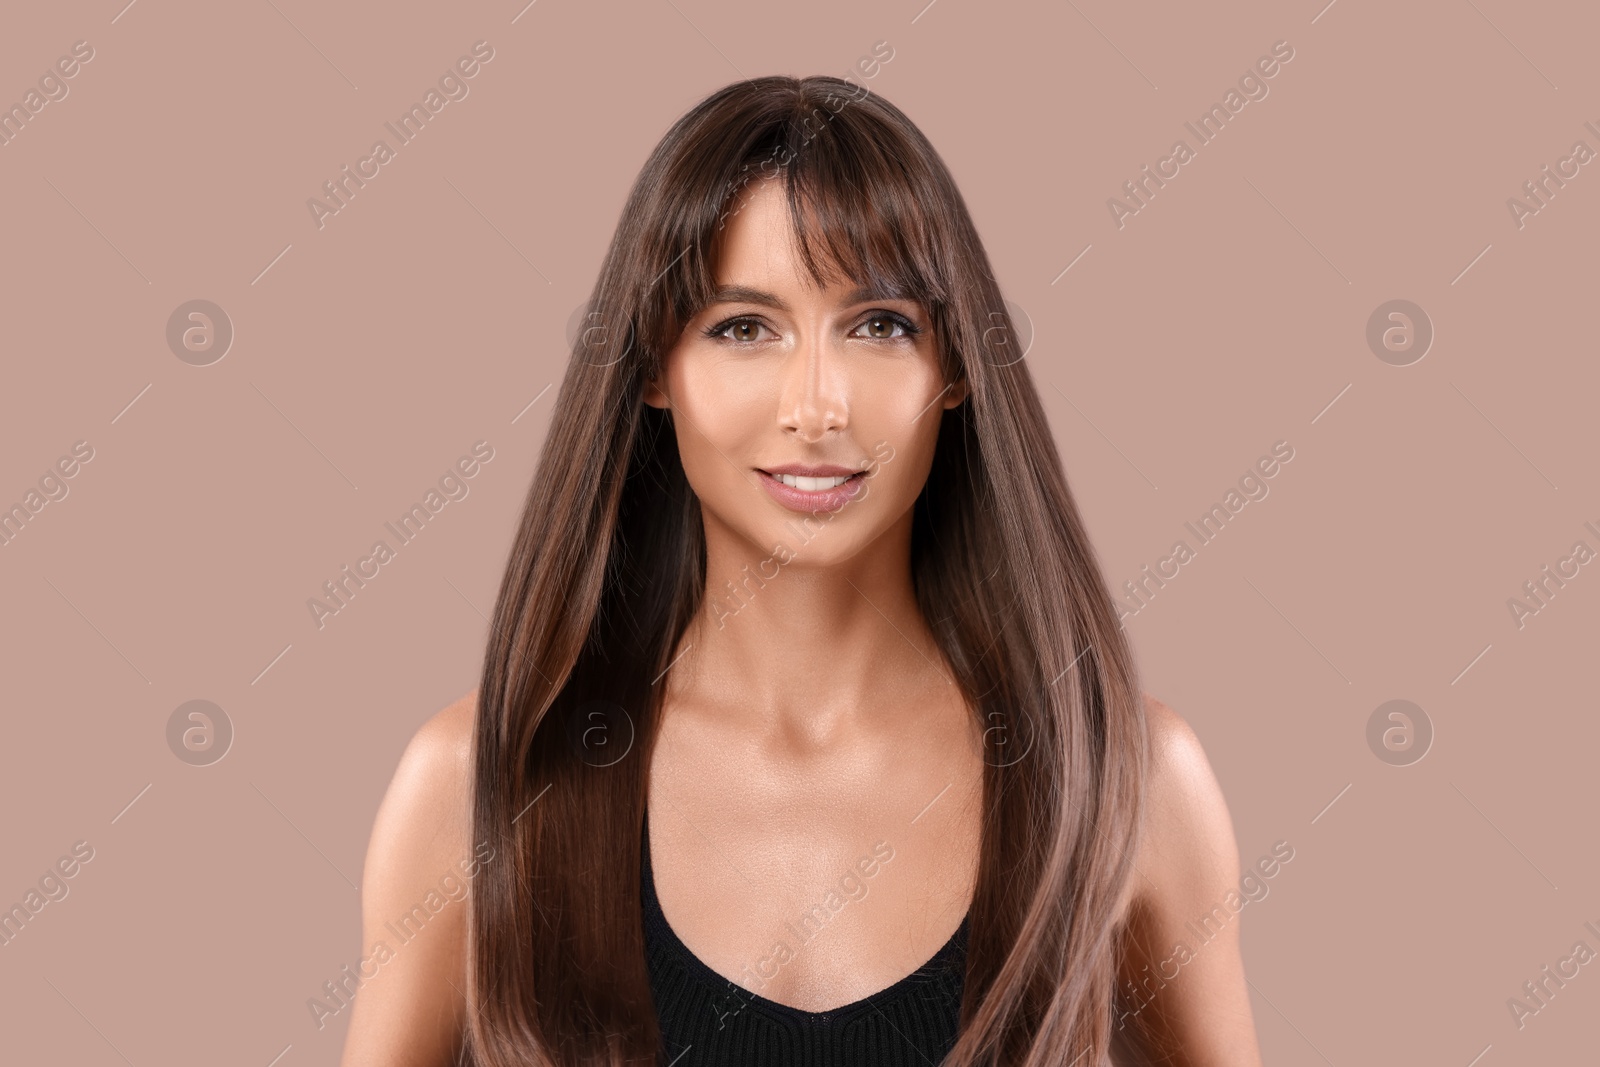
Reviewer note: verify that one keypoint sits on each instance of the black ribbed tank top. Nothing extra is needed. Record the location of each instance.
(708, 1021)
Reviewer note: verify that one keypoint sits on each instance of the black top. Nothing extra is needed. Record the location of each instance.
(708, 1021)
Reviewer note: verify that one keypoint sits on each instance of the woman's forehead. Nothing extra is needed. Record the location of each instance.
(757, 259)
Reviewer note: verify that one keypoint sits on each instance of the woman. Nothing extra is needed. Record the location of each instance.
(806, 730)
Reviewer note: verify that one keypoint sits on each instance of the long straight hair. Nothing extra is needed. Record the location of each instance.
(608, 568)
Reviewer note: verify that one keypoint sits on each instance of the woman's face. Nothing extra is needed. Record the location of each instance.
(780, 389)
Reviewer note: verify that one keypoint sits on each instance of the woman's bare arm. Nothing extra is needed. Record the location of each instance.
(1191, 995)
(410, 1011)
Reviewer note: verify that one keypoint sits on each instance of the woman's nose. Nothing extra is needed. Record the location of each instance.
(813, 400)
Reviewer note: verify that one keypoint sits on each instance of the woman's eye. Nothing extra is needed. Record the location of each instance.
(882, 327)
(744, 330)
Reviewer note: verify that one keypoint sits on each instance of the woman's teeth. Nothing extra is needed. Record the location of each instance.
(811, 484)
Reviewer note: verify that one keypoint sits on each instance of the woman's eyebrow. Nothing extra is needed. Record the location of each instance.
(743, 294)
(866, 293)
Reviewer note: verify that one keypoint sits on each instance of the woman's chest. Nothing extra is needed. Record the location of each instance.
(814, 883)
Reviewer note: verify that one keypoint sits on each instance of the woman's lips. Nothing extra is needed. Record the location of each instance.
(809, 500)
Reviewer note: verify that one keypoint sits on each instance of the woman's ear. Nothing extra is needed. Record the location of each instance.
(654, 396)
(956, 394)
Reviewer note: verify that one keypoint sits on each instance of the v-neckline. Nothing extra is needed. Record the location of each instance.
(657, 918)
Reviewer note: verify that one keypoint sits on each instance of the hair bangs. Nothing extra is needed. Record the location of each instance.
(858, 213)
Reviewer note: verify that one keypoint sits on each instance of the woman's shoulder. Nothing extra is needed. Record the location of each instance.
(1186, 843)
(423, 820)
(443, 744)
(1177, 760)
(420, 841)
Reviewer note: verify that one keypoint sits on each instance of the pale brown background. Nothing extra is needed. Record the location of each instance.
(1229, 314)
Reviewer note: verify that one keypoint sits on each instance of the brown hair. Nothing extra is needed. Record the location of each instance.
(608, 568)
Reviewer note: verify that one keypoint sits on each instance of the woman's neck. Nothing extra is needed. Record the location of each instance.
(788, 640)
